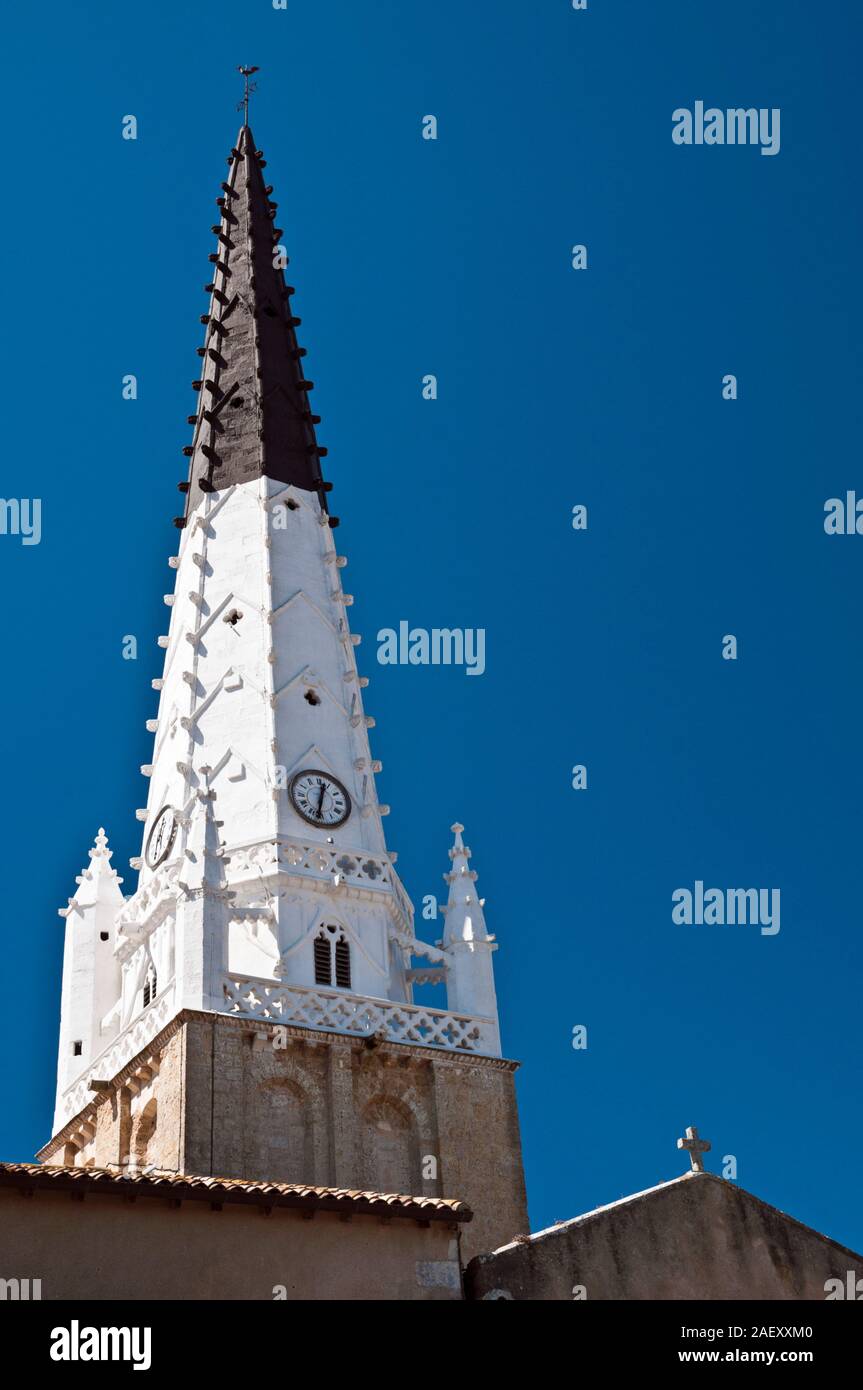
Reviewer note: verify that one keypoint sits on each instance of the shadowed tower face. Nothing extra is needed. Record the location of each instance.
(249, 1009)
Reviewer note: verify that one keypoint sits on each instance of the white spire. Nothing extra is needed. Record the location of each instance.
(91, 974)
(465, 919)
(467, 944)
(98, 882)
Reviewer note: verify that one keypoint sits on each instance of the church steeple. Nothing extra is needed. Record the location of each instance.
(261, 703)
(249, 1010)
(253, 416)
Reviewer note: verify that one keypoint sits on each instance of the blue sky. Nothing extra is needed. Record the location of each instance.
(600, 387)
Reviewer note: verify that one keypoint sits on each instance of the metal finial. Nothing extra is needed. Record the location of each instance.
(249, 88)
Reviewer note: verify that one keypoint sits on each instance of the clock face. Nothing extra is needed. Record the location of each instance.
(161, 837)
(319, 798)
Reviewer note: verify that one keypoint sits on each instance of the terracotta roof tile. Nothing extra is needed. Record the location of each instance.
(245, 1190)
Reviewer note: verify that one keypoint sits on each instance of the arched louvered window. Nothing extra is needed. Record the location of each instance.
(332, 958)
(150, 986)
(343, 964)
(323, 960)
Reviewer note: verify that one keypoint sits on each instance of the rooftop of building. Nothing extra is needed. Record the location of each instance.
(635, 1199)
(177, 1187)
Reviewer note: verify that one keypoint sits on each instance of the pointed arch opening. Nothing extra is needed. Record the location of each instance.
(342, 955)
(323, 959)
(332, 957)
(150, 985)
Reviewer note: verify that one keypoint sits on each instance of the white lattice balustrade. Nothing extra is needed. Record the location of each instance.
(351, 1013)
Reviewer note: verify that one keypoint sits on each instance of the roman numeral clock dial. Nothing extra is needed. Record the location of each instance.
(160, 840)
(319, 798)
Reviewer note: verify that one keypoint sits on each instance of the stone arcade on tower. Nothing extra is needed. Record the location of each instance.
(248, 1011)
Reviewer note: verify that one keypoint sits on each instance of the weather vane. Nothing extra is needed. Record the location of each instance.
(250, 87)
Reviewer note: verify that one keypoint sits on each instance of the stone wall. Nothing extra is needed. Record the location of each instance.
(227, 1097)
(105, 1247)
(697, 1237)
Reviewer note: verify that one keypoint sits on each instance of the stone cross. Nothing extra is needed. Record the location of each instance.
(695, 1147)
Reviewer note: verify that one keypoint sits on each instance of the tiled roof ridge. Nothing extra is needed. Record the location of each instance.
(163, 1183)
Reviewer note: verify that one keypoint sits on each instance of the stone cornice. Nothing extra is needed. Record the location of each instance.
(317, 1036)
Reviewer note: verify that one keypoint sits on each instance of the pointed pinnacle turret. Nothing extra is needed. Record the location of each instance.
(100, 857)
(98, 882)
(253, 416)
(465, 919)
(467, 946)
(100, 848)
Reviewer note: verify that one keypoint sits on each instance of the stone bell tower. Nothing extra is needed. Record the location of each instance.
(248, 1011)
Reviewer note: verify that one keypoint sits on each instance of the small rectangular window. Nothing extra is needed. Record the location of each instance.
(77, 1049)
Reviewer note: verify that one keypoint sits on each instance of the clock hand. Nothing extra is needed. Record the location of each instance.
(321, 802)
